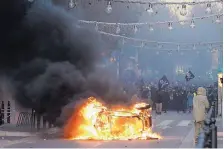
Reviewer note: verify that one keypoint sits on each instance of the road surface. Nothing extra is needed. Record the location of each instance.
(176, 130)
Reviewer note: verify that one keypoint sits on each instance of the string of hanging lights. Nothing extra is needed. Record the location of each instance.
(109, 2)
(160, 45)
(166, 3)
(151, 25)
(74, 3)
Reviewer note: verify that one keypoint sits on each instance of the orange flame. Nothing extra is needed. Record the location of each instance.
(92, 120)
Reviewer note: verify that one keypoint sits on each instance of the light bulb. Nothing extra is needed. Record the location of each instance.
(109, 7)
(183, 11)
(150, 10)
(118, 29)
(218, 19)
(160, 46)
(194, 47)
(71, 4)
(208, 9)
(96, 27)
(169, 53)
(182, 22)
(123, 41)
(151, 28)
(135, 29)
(210, 46)
(192, 24)
(178, 47)
(170, 26)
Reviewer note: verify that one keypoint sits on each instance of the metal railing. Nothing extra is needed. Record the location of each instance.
(31, 120)
(24, 119)
(208, 135)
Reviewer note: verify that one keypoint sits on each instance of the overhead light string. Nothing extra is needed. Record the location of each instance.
(150, 23)
(184, 4)
(108, 9)
(167, 3)
(159, 42)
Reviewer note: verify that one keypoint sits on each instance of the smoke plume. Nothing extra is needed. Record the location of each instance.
(50, 61)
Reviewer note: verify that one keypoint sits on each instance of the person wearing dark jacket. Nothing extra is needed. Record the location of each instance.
(184, 101)
(153, 95)
(158, 103)
(165, 100)
(177, 100)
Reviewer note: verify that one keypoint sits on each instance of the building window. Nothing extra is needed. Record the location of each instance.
(3, 111)
(8, 112)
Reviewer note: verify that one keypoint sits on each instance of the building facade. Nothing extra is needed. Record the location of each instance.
(10, 109)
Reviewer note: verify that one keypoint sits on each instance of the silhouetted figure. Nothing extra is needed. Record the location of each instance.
(184, 100)
(165, 100)
(190, 97)
(158, 103)
(177, 100)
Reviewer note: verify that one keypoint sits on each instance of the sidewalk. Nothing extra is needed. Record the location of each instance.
(219, 125)
(12, 130)
(11, 135)
(9, 141)
(187, 142)
(9, 130)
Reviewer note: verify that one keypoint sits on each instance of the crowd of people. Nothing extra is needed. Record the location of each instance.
(195, 99)
(177, 98)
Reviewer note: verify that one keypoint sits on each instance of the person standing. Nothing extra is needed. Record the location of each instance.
(158, 103)
(165, 100)
(190, 97)
(200, 104)
(184, 100)
(153, 96)
(177, 99)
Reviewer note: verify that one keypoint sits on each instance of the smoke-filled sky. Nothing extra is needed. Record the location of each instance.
(48, 60)
(205, 31)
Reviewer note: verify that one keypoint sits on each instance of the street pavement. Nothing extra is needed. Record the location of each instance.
(176, 130)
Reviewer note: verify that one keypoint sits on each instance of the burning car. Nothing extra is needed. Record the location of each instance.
(94, 121)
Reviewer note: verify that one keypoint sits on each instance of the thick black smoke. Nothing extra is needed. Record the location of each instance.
(49, 59)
